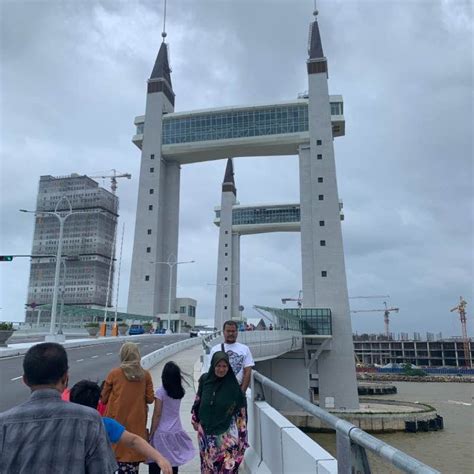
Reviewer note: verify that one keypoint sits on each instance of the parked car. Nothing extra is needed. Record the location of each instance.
(136, 329)
(160, 331)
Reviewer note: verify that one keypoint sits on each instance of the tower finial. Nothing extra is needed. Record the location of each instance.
(163, 33)
(315, 11)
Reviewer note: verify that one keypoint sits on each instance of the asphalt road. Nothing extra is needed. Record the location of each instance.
(90, 362)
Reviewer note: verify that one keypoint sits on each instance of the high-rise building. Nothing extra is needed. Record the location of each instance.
(87, 243)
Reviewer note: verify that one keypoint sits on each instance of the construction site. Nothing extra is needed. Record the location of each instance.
(435, 351)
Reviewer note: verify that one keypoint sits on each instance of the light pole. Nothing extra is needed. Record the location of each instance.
(171, 265)
(62, 219)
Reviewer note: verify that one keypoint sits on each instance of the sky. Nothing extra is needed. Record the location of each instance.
(73, 77)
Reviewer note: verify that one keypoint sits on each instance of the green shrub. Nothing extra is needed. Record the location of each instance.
(91, 324)
(6, 326)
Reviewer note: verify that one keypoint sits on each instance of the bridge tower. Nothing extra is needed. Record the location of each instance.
(322, 253)
(228, 260)
(157, 217)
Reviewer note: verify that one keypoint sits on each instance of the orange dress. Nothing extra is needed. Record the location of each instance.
(127, 403)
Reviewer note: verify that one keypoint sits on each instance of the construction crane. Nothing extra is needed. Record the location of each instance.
(298, 300)
(461, 309)
(386, 315)
(113, 179)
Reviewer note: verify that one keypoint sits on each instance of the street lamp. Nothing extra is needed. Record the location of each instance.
(62, 219)
(171, 265)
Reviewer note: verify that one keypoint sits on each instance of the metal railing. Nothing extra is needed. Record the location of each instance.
(351, 441)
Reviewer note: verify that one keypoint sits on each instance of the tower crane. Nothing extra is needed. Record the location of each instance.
(386, 315)
(113, 179)
(461, 309)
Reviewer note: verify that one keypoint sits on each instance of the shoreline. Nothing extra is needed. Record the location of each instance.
(376, 377)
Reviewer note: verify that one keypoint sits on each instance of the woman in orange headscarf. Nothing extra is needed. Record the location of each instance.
(127, 391)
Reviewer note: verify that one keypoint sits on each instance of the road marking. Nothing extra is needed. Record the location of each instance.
(16, 378)
(109, 353)
(94, 357)
(79, 360)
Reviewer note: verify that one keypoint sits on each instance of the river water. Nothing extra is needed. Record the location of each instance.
(449, 450)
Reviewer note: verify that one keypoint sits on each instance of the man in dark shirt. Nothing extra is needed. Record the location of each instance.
(46, 434)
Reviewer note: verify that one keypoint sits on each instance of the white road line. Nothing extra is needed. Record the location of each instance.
(79, 360)
(94, 357)
(109, 353)
(16, 378)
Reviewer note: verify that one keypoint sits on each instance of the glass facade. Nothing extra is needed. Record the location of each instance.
(337, 108)
(235, 124)
(310, 321)
(313, 320)
(273, 120)
(263, 215)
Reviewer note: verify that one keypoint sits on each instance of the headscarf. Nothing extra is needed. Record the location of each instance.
(221, 398)
(130, 362)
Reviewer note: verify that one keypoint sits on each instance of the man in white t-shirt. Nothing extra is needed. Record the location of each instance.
(240, 357)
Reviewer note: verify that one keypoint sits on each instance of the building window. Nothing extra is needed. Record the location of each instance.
(225, 268)
(152, 191)
(226, 245)
(226, 231)
(320, 179)
(225, 296)
(147, 277)
(152, 170)
(150, 207)
(321, 197)
(225, 278)
(319, 157)
(152, 157)
(324, 273)
(149, 231)
(225, 307)
(148, 250)
(319, 142)
(225, 254)
(322, 243)
(321, 223)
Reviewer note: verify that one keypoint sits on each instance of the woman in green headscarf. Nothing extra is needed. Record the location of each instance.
(218, 415)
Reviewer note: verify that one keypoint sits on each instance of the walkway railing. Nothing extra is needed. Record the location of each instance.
(351, 442)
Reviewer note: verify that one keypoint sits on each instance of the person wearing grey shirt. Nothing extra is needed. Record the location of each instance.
(46, 434)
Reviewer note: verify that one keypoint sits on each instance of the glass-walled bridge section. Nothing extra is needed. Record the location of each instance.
(258, 219)
(264, 130)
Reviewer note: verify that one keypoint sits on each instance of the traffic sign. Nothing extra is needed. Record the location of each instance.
(6, 258)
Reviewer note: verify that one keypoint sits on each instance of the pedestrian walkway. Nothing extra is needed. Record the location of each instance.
(189, 361)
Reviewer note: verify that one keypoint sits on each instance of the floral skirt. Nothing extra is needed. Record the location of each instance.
(223, 453)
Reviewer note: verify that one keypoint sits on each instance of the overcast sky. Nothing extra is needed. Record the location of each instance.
(73, 77)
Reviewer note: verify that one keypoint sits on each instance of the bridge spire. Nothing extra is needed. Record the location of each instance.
(229, 182)
(160, 78)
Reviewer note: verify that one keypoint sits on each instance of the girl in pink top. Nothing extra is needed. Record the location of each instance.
(167, 434)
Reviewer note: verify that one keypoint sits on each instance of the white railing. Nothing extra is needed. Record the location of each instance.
(263, 344)
(156, 357)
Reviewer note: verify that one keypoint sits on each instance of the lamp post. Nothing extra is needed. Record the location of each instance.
(51, 337)
(171, 265)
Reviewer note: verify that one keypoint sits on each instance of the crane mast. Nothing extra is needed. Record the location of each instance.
(386, 315)
(461, 309)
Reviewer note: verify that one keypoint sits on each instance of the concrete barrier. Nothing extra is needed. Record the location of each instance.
(157, 356)
(279, 447)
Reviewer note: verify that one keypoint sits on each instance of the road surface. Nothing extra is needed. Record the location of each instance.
(90, 362)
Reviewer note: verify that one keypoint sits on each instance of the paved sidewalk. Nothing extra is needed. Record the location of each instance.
(189, 361)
